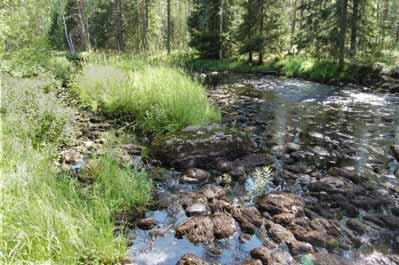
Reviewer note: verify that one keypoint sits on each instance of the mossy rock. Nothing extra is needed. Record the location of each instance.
(201, 146)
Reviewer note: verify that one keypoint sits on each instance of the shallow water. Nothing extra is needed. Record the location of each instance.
(346, 127)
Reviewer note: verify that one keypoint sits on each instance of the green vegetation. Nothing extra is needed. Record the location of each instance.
(290, 66)
(46, 216)
(158, 98)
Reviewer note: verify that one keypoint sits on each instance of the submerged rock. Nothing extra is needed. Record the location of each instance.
(191, 259)
(201, 148)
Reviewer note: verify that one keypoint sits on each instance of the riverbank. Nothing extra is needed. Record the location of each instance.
(307, 68)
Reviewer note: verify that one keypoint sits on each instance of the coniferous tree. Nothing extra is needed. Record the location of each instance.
(261, 28)
(204, 27)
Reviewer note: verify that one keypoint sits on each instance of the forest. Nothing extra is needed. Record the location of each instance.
(199, 132)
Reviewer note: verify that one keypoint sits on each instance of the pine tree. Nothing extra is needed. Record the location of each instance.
(261, 28)
(204, 27)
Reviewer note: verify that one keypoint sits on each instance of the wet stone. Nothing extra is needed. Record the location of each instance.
(195, 175)
(224, 225)
(293, 147)
(252, 262)
(277, 203)
(329, 259)
(196, 229)
(147, 223)
(395, 151)
(196, 209)
(262, 254)
(191, 259)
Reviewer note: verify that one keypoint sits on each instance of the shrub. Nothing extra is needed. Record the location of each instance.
(61, 67)
(159, 98)
(34, 114)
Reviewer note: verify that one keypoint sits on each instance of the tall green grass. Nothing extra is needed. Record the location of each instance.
(47, 217)
(158, 98)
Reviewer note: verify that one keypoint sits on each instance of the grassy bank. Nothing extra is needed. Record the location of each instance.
(290, 66)
(159, 98)
(47, 216)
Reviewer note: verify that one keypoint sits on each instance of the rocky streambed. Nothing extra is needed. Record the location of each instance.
(298, 173)
(330, 196)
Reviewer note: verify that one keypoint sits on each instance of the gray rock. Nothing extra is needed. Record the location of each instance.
(195, 175)
(197, 209)
(293, 147)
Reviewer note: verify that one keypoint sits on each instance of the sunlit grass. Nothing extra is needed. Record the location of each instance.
(158, 98)
(47, 217)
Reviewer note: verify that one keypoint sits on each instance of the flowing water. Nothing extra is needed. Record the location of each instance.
(351, 127)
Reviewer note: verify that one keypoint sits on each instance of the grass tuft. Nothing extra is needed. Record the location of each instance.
(158, 98)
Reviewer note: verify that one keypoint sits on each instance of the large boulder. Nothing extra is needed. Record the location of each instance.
(201, 146)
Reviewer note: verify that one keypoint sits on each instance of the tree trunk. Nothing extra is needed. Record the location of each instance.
(355, 13)
(260, 59)
(145, 24)
(250, 57)
(68, 37)
(168, 26)
(293, 24)
(221, 29)
(397, 29)
(342, 21)
(120, 42)
(384, 21)
(85, 45)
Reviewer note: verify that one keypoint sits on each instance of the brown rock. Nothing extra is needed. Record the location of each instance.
(213, 192)
(249, 218)
(262, 254)
(284, 218)
(277, 203)
(251, 262)
(147, 223)
(299, 248)
(191, 259)
(280, 234)
(224, 225)
(282, 257)
(197, 229)
(200, 147)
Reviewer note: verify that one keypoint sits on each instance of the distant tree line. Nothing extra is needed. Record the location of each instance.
(334, 29)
